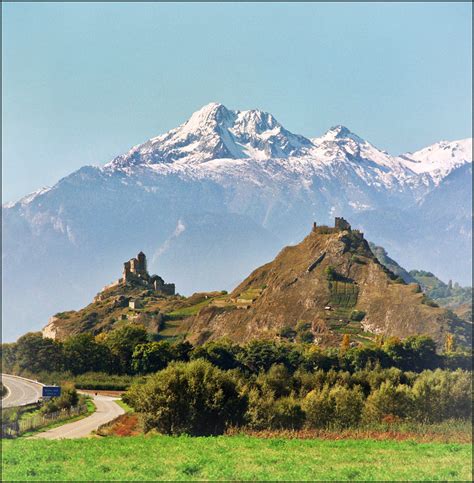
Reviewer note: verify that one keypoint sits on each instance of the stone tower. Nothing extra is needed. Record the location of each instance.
(341, 224)
(126, 271)
(141, 268)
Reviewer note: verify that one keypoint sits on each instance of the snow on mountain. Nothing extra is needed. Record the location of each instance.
(438, 160)
(215, 132)
(243, 186)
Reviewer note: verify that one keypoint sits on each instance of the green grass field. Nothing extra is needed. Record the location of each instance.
(233, 458)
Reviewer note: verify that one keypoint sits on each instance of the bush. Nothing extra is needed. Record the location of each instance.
(68, 399)
(388, 400)
(348, 405)
(194, 398)
(442, 395)
(260, 408)
(357, 315)
(319, 408)
(287, 414)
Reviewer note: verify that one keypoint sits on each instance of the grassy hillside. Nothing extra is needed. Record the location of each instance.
(233, 458)
(163, 316)
(448, 295)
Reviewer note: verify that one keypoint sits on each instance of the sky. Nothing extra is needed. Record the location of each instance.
(83, 82)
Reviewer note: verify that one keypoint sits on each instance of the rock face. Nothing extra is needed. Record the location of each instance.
(332, 283)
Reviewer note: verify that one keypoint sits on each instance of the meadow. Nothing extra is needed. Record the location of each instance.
(240, 457)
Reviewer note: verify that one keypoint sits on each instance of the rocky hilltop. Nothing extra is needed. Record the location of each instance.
(328, 285)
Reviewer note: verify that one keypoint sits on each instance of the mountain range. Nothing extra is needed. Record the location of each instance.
(219, 195)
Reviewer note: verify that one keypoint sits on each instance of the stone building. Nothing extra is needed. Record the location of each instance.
(341, 224)
(135, 272)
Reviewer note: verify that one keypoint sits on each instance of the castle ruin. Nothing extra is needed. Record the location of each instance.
(135, 272)
(340, 224)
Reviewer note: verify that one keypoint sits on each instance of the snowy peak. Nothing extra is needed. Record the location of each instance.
(439, 159)
(215, 132)
(341, 132)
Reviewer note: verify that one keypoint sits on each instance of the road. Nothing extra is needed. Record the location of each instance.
(20, 391)
(107, 410)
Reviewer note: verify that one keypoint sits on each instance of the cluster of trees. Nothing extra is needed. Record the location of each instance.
(128, 350)
(198, 398)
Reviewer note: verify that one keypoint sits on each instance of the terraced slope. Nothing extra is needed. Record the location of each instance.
(332, 283)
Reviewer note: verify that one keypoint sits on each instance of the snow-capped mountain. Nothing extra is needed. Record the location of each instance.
(438, 160)
(214, 132)
(221, 194)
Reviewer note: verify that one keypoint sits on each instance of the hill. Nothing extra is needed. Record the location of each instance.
(219, 195)
(450, 295)
(328, 285)
(135, 297)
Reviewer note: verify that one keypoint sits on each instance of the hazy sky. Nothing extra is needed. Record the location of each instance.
(84, 82)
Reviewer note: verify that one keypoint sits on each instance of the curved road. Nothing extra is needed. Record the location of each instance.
(107, 410)
(20, 391)
(24, 391)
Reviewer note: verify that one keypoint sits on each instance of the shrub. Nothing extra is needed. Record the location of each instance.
(357, 315)
(260, 409)
(287, 414)
(347, 406)
(442, 395)
(277, 380)
(287, 332)
(194, 398)
(68, 399)
(388, 399)
(319, 408)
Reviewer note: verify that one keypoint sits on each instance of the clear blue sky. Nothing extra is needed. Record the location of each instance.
(83, 82)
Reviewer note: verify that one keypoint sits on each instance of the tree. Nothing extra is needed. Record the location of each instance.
(275, 380)
(330, 273)
(122, 343)
(151, 357)
(221, 353)
(420, 353)
(259, 355)
(181, 351)
(345, 343)
(8, 356)
(35, 353)
(287, 414)
(82, 353)
(388, 400)
(449, 343)
(194, 398)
